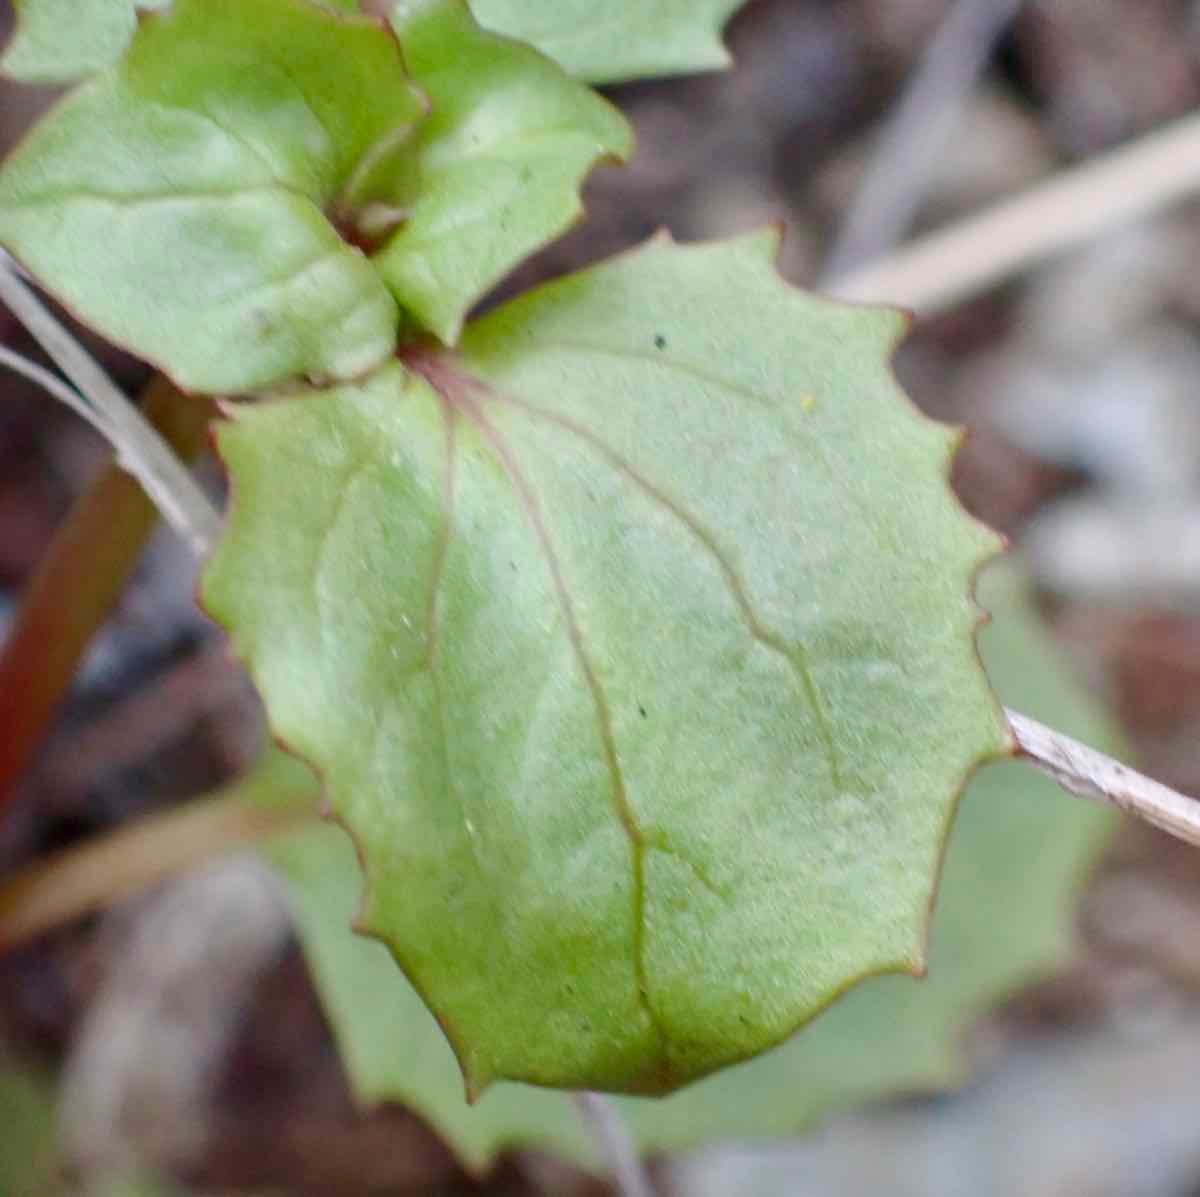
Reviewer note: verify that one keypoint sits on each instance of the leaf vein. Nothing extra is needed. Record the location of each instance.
(796, 655)
(360, 465)
(699, 374)
(437, 576)
(455, 390)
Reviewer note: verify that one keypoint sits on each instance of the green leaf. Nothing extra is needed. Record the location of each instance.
(508, 142)
(635, 646)
(390, 1044)
(181, 204)
(60, 40)
(1019, 850)
(605, 41)
(27, 1133)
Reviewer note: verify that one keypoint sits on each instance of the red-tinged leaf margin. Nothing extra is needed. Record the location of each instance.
(416, 354)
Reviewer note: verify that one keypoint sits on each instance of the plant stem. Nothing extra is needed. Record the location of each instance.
(53, 892)
(1090, 774)
(78, 582)
(615, 1144)
(140, 449)
(1073, 207)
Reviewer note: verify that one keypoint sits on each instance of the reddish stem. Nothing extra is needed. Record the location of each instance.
(78, 583)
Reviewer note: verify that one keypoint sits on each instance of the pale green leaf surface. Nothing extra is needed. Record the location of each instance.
(501, 158)
(605, 41)
(390, 1044)
(1019, 849)
(635, 647)
(59, 40)
(178, 203)
(27, 1133)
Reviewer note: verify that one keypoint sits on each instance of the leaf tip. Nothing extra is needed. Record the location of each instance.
(475, 1086)
(476, 1078)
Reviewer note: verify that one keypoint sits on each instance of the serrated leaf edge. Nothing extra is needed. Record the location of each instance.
(767, 244)
(450, 333)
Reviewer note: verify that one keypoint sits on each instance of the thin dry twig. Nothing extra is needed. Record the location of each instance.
(911, 143)
(615, 1143)
(1068, 210)
(53, 892)
(1090, 774)
(77, 584)
(56, 388)
(140, 450)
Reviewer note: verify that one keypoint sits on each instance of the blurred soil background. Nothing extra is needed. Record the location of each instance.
(185, 1038)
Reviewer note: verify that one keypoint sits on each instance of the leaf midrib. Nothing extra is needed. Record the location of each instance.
(796, 655)
(455, 390)
(809, 445)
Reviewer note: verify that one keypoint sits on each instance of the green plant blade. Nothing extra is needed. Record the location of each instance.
(501, 158)
(635, 646)
(1017, 855)
(606, 41)
(390, 1044)
(182, 203)
(27, 1132)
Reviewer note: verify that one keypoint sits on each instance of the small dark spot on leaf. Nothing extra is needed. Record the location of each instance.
(641, 710)
(660, 342)
(261, 323)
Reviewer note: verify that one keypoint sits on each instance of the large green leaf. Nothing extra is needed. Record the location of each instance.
(180, 203)
(605, 41)
(509, 139)
(1018, 852)
(635, 646)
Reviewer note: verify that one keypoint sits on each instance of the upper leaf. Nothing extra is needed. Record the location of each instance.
(182, 202)
(509, 139)
(59, 40)
(636, 648)
(1018, 852)
(605, 41)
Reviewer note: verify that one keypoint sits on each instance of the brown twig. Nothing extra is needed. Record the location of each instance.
(913, 140)
(79, 881)
(1068, 210)
(1090, 774)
